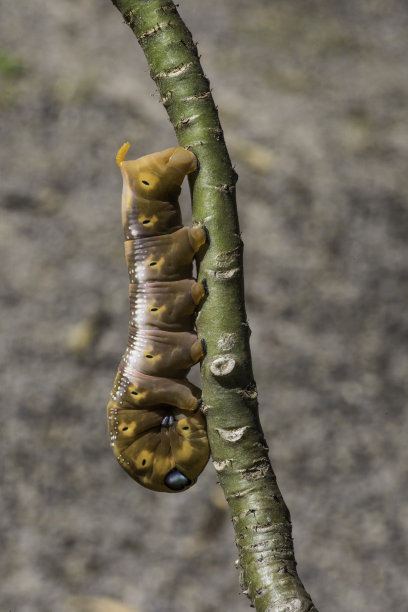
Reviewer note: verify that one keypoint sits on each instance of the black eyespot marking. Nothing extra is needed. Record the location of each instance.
(154, 309)
(146, 221)
(145, 183)
(185, 428)
(134, 393)
(144, 462)
(149, 356)
(153, 263)
(125, 428)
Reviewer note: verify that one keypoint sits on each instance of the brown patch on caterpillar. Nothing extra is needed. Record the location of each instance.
(198, 237)
(184, 158)
(157, 432)
(174, 252)
(198, 292)
(197, 351)
(168, 306)
(171, 354)
(143, 391)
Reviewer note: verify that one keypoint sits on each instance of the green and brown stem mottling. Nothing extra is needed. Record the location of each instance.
(260, 517)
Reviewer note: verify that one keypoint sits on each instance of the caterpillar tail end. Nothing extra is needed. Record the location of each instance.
(121, 154)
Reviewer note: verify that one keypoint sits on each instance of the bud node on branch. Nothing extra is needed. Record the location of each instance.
(223, 365)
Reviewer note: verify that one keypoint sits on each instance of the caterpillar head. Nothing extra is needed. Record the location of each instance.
(157, 176)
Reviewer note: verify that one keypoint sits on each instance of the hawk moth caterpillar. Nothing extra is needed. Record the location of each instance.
(158, 434)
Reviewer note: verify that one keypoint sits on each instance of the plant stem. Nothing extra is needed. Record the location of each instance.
(260, 517)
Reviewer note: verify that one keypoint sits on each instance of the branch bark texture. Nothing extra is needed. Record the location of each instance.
(260, 517)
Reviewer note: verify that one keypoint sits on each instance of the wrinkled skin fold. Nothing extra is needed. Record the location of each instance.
(157, 431)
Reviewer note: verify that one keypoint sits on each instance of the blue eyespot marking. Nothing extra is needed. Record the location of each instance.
(176, 481)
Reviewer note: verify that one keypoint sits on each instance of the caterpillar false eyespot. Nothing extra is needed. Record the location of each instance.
(157, 431)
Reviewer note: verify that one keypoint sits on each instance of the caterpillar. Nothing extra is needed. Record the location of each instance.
(157, 431)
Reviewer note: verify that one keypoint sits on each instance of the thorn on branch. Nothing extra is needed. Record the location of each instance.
(191, 46)
(217, 131)
(258, 471)
(224, 274)
(168, 8)
(221, 465)
(227, 188)
(202, 96)
(261, 591)
(185, 122)
(166, 98)
(175, 72)
(228, 258)
(249, 393)
(152, 31)
(130, 18)
(222, 188)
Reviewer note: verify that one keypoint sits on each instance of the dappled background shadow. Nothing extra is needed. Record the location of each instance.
(313, 100)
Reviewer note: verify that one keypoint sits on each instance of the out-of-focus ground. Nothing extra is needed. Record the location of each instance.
(313, 99)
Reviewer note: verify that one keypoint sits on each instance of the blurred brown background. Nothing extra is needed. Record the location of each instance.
(313, 100)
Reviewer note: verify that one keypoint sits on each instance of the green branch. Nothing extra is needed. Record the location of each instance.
(260, 517)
